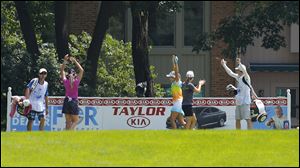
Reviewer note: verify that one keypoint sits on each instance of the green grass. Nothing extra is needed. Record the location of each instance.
(151, 148)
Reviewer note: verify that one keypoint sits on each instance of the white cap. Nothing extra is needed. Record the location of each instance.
(42, 70)
(171, 74)
(190, 74)
(240, 67)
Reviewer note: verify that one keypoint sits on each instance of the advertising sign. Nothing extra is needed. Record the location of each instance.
(145, 113)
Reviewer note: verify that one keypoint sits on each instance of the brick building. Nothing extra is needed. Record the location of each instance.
(83, 14)
(271, 72)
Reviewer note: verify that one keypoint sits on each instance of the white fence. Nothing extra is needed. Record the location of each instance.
(108, 113)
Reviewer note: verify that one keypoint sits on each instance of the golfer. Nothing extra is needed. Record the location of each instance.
(71, 83)
(188, 90)
(176, 111)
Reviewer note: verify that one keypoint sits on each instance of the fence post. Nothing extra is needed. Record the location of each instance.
(8, 119)
(289, 106)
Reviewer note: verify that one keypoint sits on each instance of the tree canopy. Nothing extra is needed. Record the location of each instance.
(263, 20)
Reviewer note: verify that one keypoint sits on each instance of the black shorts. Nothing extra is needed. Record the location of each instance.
(188, 110)
(32, 113)
(70, 106)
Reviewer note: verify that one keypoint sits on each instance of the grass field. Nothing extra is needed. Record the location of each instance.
(151, 148)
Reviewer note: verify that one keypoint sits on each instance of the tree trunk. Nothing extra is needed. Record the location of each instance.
(93, 53)
(27, 30)
(61, 28)
(140, 48)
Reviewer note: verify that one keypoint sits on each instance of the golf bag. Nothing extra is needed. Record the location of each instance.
(257, 109)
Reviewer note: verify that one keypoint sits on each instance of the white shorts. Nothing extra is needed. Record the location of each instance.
(242, 112)
(177, 107)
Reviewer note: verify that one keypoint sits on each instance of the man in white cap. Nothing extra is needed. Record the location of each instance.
(37, 93)
(243, 97)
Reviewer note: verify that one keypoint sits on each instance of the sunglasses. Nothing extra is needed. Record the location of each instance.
(43, 73)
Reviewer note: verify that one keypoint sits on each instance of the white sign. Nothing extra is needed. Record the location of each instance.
(142, 113)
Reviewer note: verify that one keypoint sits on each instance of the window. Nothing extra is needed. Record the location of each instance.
(214, 109)
(193, 21)
(206, 111)
(294, 106)
(162, 29)
(198, 110)
(281, 92)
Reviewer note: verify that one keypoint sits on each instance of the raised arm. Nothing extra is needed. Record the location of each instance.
(62, 67)
(247, 76)
(78, 66)
(175, 67)
(198, 87)
(228, 71)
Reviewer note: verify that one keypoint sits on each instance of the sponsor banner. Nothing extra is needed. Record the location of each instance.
(213, 121)
(90, 118)
(135, 117)
(140, 113)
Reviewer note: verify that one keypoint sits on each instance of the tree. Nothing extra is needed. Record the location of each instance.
(115, 76)
(140, 38)
(61, 28)
(254, 19)
(140, 46)
(43, 17)
(93, 53)
(18, 66)
(27, 29)
(141, 10)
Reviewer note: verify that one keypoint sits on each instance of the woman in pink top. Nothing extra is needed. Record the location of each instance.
(71, 83)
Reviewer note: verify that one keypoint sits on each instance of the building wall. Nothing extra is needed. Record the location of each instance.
(160, 56)
(258, 54)
(269, 81)
(294, 34)
(219, 78)
(206, 65)
(82, 16)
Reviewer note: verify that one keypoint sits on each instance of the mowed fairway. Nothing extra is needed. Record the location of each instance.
(151, 148)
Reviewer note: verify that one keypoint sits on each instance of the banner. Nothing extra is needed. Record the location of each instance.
(144, 113)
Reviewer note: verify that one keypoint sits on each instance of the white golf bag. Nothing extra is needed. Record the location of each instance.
(258, 111)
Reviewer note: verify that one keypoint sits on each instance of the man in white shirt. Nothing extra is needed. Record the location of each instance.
(37, 93)
(243, 97)
(277, 121)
